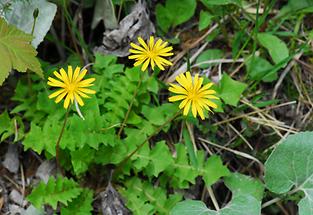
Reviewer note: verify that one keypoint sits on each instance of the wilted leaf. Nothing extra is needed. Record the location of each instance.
(16, 51)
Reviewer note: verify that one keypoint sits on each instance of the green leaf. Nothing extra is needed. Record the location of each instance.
(82, 205)
(21, 16)
(260, 69)
(209, 3)
(160, 157)
(16, 51)
(291, 166)
(173, 13)
(6, 126)
(61, 190)
(81, 159)
(190, 148)
(247, 194)
(143, 198)
(276, 47)
(205, 20)
(210, 54)
(213, 170)
(190, 207)
(231, 90)
(50, 131)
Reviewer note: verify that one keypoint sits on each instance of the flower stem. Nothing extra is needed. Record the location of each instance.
(120, 165)
(130, 106)
(57, 146)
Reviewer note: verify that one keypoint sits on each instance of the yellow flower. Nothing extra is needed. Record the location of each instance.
(150, 52)
(193, 94)
(72, 85)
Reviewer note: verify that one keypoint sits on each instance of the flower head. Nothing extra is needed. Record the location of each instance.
(72, 85)
(193, 94)
(150, 53)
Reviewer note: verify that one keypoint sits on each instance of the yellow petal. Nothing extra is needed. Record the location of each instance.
(157, 44)
(167, 49)
(60, 97)
(64, 76)
(205, 87)
(145, 65)
(134, 51)
(70, 73)
(55, 94)
(57, 75)
(76, 73)
(143, 43)
(151, 42)
(88, 91)
(183, 103)
(135, 46)
(164, 61)
(81, 76)
(86, 82)
(177, 89)
(136, 56)
(78, 99)
(82, 94)
(194, 109)
(176, 98)
(159, 65)
(55, 83)
(66, 102)
(187, 107)
(200, 111)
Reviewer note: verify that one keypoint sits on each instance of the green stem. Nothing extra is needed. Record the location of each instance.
(120, 165)
(57, 146)
(130, 106)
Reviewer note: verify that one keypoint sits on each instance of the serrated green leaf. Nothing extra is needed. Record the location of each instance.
(160, 157)
(146, 199)
(61, 190)
(213, 170)
(246, 200)
(291, 166)
(231, 90)
(276, 47)
(81, 205)
(34, 139)
(16, 51)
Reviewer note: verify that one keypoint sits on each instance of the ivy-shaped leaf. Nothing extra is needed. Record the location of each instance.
(231, 90)
(246, 200)
(16, 51)
(291, 166)
(61, 190)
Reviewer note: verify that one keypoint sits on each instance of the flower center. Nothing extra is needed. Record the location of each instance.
(151, 54)
(71, 87)
(192, 94)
